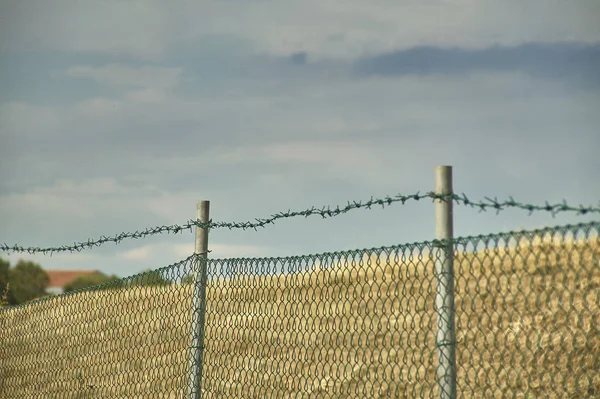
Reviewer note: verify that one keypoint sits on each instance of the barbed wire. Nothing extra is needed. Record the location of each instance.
(324, 212)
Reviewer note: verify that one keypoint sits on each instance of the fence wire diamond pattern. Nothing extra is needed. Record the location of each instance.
(354, 324)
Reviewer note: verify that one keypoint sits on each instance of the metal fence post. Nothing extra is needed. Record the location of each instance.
(444, 299)
(199, 302)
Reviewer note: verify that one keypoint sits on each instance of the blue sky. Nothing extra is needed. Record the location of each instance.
(119, 115)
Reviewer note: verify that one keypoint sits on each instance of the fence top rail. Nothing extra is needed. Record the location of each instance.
(457, 241)
(324, 212)
(528, 235)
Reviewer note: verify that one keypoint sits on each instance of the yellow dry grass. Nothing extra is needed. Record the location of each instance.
(527, 323)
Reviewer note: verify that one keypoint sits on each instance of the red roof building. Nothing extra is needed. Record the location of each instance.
(60, 278)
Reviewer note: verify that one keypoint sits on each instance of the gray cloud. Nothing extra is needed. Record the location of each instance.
(551, 61)
(339, 29)
(123, 135)
(299, 58)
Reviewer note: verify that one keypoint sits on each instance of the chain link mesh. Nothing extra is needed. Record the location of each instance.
(353, 324)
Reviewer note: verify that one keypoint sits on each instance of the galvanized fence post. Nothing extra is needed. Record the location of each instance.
(199, 303)
(444, 270)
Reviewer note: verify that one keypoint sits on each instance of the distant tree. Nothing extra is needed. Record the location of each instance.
(89, 280)
(150, 278)
(4, 267)
(27, 281)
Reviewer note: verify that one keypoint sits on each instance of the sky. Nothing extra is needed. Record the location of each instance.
(117, 116)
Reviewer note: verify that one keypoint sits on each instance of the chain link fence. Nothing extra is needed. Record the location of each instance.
(354, 324)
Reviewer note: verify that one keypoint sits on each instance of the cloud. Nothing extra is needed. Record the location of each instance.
(343, 130)
(71, 208)
(99, 107)
(299, 58)
(551, 61)
(355, 28)
(65, 25)
(153, 29)
(18, 118)
(356, 160)
(140, 253)
(145, 96)
(154, 77)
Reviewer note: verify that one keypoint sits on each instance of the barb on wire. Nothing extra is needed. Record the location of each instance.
(324, 212)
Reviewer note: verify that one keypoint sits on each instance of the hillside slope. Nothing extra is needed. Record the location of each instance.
(361, 326)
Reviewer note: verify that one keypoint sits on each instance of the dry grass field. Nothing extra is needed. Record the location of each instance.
(527, 319)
